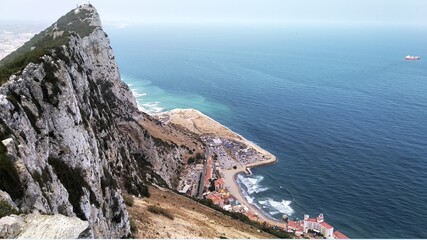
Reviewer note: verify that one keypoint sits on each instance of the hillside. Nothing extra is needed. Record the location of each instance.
(73, 143)
(72, 139)
(191, 219)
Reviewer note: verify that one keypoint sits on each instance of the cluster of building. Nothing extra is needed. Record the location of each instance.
(190, 179)
(316, 225)
(204, 181)
(231, 153)
(222, 198)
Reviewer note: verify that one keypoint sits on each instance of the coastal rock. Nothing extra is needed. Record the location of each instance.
(72, 137)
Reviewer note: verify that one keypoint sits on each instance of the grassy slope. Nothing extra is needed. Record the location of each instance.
(190, 219)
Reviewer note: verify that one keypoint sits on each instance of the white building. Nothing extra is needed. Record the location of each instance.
(314, 224)
(318, 225)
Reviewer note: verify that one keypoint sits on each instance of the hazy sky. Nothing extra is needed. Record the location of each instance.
(388, 12)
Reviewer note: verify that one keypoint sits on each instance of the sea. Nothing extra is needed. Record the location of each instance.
(340, 108)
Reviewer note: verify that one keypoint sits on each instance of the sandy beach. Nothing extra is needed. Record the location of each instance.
(199, 123)
(229, 177)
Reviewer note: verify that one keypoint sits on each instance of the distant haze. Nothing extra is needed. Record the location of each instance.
(126, 12)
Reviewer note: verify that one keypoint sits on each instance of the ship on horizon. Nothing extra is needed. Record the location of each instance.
(409, 57)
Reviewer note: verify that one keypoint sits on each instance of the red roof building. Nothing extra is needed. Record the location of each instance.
(219, 184)
(314, 224)
(216, 199)
(296, 227)
(326, 225)
(318, 225)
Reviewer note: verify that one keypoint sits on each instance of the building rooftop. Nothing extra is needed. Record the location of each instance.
(340, 235)
(311, 220)
(294, 225)
(326, 225)
(215, 198)
(219, 181)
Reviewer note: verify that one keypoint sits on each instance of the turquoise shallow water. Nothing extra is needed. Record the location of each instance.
(340, 108)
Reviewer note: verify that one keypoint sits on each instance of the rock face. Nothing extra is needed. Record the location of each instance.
(71, 134)
(44, 226)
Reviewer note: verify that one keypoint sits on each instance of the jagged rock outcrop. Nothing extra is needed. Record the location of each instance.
(72, 138)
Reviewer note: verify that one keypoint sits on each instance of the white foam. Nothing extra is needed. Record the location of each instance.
(249, 198)
(136, 94)
(273, 212)
(150, 108)
(283, 206)
(252, 183)
(275, 207)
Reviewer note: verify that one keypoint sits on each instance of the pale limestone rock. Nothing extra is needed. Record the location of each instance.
(11, 226)
(6, 197)
(52, 227)
(87, 119)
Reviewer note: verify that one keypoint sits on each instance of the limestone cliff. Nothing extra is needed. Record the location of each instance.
(72, 138)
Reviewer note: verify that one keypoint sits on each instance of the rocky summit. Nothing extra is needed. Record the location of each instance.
(72, 139)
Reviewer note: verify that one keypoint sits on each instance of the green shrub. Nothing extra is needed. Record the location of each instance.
(161, 211)
(44, 43)
(280, 233)
(128, 200)
(6, 209)
(133, 226)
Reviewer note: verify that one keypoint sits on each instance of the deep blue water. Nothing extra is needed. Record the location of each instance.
(339, 107)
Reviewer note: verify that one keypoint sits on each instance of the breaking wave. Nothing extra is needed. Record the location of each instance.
(150, 108)
(252, 183)
(276, 207)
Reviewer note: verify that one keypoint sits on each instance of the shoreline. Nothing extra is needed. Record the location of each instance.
(199, 123)
(230, 182)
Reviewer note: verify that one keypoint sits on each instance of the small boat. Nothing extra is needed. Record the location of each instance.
(412, 57)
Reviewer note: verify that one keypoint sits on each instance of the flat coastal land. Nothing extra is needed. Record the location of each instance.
(201, 124)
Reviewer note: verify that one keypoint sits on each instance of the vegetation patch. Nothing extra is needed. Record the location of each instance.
(133, 227)
(161, 211)
(9, 178)
(165, 144)
(44, 42)
(280, 233)
(135, 189)
(32, 51)
(6, 209)
(128, 200)
(196, 159)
